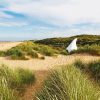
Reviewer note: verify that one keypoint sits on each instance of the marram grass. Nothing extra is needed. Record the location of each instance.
(67, 83)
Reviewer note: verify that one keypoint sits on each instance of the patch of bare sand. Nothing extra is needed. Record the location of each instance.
(7, 45)
(48, 63)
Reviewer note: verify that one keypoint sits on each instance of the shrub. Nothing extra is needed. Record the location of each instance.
(68, 83)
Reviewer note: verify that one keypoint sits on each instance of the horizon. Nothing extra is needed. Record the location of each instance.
(29, 39)
(48, 19)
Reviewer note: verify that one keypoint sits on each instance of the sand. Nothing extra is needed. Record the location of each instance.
(48, 63)
(7, 45)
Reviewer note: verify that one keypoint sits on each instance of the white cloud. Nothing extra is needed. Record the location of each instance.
(64, 13)
(59, 11)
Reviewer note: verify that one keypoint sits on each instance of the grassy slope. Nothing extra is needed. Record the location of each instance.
(86, 43)
(63, 42)
(28, 50)
(70, 83)
(50, 47)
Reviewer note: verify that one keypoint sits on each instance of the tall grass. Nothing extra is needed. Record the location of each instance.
(13, 82)
(6, 93)
(92, 68)
(93, 50)
(68, 83)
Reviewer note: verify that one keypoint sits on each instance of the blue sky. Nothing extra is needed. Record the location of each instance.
(37, 19)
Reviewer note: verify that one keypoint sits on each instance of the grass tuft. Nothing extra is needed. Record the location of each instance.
(68, 83)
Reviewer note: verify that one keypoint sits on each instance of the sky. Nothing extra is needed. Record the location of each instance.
(38, 19)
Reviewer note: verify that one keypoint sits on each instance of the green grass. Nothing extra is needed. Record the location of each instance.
(89, 44)
(68, 83)
(2, 53)
(92, 69)
(6, 93)
(93, 50)
(13, 82)
(27, 50)
(64, 42)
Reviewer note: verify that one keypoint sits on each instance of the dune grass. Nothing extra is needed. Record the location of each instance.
(13, 82)
(92, 49)
(27, 50)
(5, 92)
(68, 83)
(92, 68)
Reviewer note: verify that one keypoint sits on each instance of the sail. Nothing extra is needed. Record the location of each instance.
(72, 46)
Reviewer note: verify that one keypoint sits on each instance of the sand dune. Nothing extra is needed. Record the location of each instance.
(37, 64)
(48, 63)
(7, 45)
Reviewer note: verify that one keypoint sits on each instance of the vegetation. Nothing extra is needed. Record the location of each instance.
(68, 83)
(63, 42)
(86, 44)
(50, 47)
(28, 50)
(13, 81)
(91, 68)
(93, 50)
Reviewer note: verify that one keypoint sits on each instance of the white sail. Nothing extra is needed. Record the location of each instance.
(72, 46)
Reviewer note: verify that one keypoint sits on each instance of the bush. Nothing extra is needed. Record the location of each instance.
(68, 83)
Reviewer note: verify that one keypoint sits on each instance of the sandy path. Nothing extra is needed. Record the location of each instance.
(33, 89)
(48, 63)
(41, 72)
(7, 45)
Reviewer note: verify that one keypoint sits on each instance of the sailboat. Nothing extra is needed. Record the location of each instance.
(72, 46)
